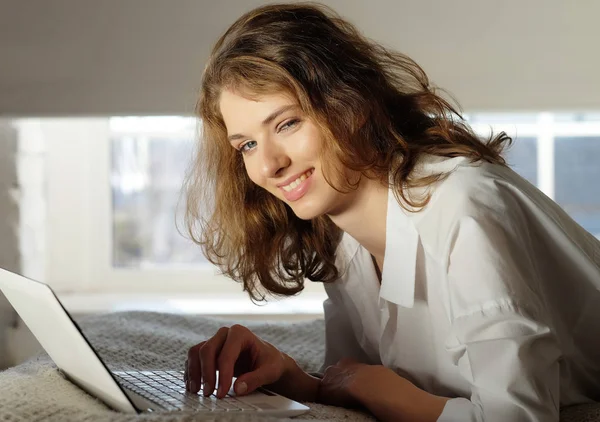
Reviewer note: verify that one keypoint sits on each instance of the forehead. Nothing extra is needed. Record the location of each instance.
(238, 107)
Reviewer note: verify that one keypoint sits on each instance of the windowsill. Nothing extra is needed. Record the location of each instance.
(304, 306)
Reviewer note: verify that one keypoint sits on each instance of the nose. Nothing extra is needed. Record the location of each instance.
(273, 159)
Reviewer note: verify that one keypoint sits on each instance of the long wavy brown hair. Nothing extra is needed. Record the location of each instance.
(378, 113)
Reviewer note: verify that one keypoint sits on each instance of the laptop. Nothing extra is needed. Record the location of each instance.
(125, 391)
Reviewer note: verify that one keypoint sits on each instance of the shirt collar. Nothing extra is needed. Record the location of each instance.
(402, 238)
(400, 261)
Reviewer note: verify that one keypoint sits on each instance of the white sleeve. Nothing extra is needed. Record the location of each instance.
(500, 338)
(340, 339)
(511, 362)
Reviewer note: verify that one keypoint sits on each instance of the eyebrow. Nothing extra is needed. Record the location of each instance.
(265, 122)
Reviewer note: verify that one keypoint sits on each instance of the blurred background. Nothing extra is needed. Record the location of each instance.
(97, 133)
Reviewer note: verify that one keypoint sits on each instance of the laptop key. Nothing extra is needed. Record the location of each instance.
(246, 406)
(212, 403)
(192, 406)
(229, 404)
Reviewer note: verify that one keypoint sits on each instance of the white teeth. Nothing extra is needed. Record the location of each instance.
(296, 182)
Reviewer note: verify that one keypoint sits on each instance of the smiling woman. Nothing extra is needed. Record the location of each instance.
(282, 151)
(334, 160)
(262, 74)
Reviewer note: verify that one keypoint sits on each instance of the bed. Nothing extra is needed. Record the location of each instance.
(36, 391)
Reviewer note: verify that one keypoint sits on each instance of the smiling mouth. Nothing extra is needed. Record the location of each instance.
(290, 187)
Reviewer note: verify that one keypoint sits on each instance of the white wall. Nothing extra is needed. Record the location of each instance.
(9, 226)
(146, 56)
(22, 225)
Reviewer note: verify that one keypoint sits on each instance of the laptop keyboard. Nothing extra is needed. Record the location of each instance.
(167, 389)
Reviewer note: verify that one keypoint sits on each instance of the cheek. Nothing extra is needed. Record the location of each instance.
(254, 174)
(307, 144)
(313, 146)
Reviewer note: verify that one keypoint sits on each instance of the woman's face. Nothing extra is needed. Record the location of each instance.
(281, 149)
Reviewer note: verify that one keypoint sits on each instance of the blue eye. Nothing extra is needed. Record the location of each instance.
(289, 124)
(247, 146)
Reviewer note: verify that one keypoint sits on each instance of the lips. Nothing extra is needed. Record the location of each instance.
(296, 188)
(291, 184)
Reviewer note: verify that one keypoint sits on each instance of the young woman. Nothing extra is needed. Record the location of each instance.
(456, 290)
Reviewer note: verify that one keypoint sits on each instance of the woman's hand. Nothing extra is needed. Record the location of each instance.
(341, 382)
(387, 395)
(238, 352)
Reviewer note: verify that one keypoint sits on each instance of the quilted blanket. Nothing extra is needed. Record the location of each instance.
(36, 391)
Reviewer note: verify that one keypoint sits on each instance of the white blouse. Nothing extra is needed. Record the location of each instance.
(490, 295)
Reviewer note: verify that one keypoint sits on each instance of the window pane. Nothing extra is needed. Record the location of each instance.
(577, 117)
(521, 156)
(147, 176)
(501, 118)
(577, 174)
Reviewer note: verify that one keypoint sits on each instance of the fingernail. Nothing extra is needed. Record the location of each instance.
(242, 388)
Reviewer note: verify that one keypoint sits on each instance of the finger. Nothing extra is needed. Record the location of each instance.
(238, 339)
(193, 372)
(263, 375)
(185, 371)
(208, 358)
(198, 381)
(192, 368)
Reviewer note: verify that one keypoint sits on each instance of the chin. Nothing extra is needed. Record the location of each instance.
(306, 217)
(307, 212)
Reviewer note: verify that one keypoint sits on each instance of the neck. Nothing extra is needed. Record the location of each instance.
(365, 218)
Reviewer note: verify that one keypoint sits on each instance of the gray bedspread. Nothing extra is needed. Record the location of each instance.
(36, 391)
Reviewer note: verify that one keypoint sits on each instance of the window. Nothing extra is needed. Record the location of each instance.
(98, 171)
(113, 186)
(522, 157)
(148, 166)
(559, 153)
(577, 179)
